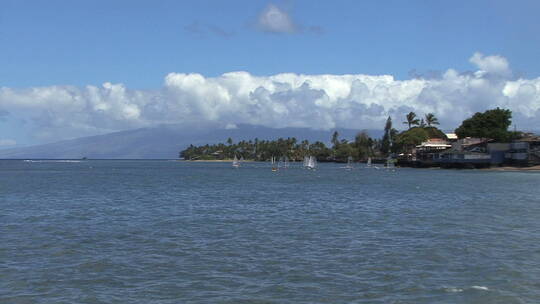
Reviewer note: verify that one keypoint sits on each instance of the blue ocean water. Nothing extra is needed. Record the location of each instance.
(183, 232)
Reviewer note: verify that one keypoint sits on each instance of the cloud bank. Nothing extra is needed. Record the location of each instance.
(283, 100)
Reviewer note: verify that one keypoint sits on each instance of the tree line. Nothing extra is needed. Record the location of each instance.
(490, 124)
(362, 147)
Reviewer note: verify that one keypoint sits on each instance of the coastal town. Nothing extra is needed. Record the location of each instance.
(473, 152)
(482, 141)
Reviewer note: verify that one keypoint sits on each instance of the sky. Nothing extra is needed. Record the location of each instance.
(77, 68)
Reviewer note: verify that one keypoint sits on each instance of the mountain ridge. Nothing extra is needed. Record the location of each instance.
(163, 142)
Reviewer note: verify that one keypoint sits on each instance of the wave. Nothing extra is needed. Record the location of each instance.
(457, 289)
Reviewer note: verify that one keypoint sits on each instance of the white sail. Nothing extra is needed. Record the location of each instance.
(389, 160)
(235, 162)
(275, 165)
(312, 162)
(349, 163)
(306, 161)
(368, 162)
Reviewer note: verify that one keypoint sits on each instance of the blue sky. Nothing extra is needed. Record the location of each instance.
(138, 43)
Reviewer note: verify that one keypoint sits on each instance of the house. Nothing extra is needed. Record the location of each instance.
(423, 155)
(430, 149)
(524, 152)
(451, 137)
(466, 152)
(481, 152)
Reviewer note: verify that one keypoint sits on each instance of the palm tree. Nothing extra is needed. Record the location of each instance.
(363, 144)
(431, 119)
(335, 139)
(387, 137)
(411, 120)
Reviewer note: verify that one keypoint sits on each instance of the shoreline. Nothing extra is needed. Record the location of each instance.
(213, 160)
(502, 169)
(507, 168)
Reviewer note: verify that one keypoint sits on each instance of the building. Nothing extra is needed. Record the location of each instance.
(481, 152)
(524, 152)
(451, 137)
(430, 149)
(473, 152)
(466, 152)
(423, 155)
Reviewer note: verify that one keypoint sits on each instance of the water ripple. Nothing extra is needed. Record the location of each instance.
(171, 232)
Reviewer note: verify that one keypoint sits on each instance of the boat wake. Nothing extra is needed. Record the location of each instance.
(51, 161)
(456, 289)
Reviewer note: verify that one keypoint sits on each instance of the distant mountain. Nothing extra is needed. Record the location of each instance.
(163, 142)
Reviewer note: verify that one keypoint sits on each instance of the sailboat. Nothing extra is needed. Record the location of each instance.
(235, 163)
(274, 164)
(312, 163)
(368, 163)
(349, 165)
(389, 160)
(306, 161)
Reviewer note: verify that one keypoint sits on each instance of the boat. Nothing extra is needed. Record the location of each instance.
(390, 161)
(349, 165)
(306, 161)
(235, 163)
(368, 163)
(275, 165)
(312, 163)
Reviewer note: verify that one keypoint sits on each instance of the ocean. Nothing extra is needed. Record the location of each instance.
(192, 232)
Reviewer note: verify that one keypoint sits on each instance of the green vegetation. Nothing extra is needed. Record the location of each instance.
(263, 150)
(409, 139)
(411, 120)
(431, 120)
(492, 124)
(389, 135)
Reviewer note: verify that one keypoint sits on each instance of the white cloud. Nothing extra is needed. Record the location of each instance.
(494, 64)
(282, 100)
(275, 20)
(7, 142)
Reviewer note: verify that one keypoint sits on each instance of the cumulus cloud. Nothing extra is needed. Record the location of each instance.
(496, 65)
(283, 100)
(276, 20)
